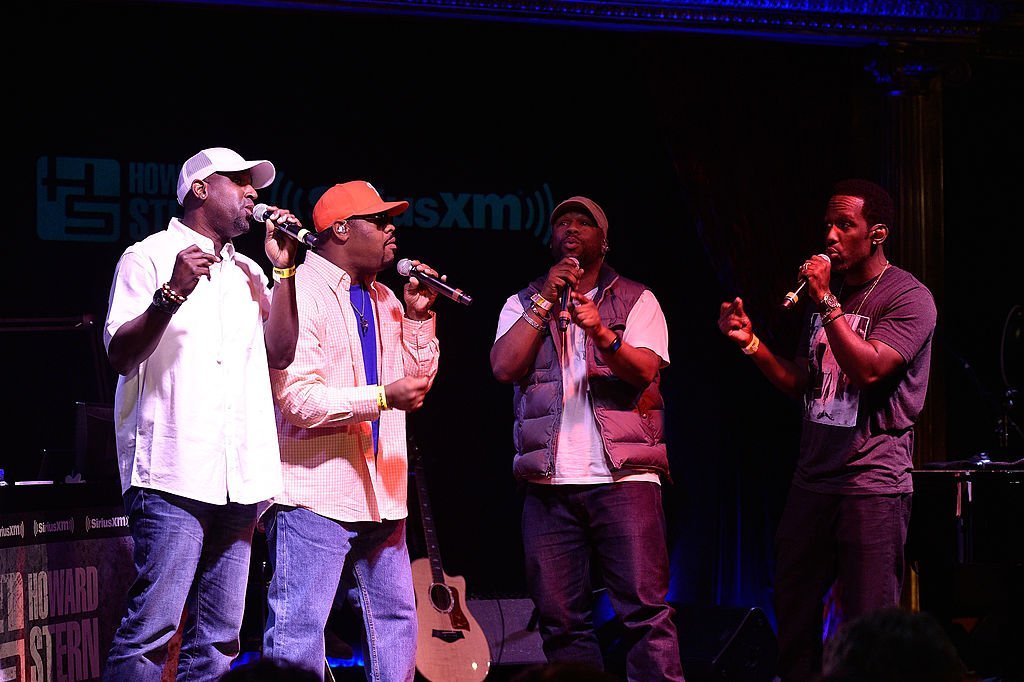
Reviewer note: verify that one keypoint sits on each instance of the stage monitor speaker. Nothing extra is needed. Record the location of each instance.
(510, 629)
(726, 644)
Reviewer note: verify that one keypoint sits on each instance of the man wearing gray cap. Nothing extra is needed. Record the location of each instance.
(584, 348)
(193, 329)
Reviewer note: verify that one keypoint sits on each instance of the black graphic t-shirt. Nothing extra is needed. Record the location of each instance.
(861, 441)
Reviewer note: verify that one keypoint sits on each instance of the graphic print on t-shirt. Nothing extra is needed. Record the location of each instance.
(830, 397)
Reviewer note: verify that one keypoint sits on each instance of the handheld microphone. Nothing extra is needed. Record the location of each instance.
(564, 318)
(304, 236)
(407, 269)
(793, 296)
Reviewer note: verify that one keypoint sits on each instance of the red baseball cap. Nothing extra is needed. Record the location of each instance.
(347, 199)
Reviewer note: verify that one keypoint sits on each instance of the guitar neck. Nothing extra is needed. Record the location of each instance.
(429, 534)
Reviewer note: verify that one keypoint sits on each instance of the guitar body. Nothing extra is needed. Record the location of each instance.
(450, 646)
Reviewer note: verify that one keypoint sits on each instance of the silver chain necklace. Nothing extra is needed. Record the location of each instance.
(364, 324)
(870, 289)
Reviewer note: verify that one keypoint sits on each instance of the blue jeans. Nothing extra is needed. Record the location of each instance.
(188, 555)
(309, 554)
(622, 527)
(856, 541)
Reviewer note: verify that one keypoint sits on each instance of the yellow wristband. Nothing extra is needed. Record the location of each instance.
(752, 346)
(382, 398)
(541, 302)
(283, 273)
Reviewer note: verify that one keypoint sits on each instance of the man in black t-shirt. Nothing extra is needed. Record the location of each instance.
(862, 372)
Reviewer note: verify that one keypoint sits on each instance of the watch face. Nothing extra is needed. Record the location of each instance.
(829, 302)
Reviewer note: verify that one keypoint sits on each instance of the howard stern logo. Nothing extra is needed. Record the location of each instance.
(106, 200)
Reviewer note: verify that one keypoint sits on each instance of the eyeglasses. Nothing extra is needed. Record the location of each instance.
(381, 220)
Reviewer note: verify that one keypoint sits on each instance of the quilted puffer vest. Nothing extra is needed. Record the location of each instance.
(631, 421)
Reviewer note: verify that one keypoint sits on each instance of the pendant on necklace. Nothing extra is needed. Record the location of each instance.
(364, 324)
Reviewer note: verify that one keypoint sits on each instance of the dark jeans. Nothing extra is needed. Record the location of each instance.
(856, 541)
(621, 526)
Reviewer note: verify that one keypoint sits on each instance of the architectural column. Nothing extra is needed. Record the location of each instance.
(914, 83)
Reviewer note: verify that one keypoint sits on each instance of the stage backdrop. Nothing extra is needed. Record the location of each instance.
(710, 154)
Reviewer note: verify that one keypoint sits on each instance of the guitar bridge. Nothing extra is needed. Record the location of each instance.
(448, 635)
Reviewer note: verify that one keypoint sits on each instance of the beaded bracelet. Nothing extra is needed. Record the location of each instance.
(172, 294)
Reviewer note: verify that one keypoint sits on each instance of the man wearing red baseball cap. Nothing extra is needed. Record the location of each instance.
(362, 361)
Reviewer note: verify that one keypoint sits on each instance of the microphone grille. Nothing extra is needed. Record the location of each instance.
(404, 267)
(825, 257)
(259, 213)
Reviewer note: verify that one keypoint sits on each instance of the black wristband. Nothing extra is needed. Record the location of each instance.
(613, 347)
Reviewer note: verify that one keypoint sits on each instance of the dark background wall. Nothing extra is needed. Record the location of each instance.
(712, 156)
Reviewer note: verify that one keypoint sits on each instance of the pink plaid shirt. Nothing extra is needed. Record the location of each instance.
(324, 407)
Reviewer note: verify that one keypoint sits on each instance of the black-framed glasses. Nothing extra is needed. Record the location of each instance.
(381, 220)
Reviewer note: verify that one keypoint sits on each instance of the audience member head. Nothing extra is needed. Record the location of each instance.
(891, 645)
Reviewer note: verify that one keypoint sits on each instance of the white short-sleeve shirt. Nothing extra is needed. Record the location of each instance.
(196, 418)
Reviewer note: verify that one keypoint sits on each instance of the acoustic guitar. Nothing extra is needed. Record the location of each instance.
(450, 645)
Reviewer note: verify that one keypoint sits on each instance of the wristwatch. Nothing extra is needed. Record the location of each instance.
(163, 303)
(827, 304)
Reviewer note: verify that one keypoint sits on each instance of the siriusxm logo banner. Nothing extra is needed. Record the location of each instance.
(105, 200)
(93, 523)
(13, 529)
(47, 527)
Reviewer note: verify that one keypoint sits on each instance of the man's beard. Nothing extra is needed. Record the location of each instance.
(242, 226)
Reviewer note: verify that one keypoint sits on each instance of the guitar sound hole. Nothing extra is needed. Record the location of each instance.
(441, 597)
